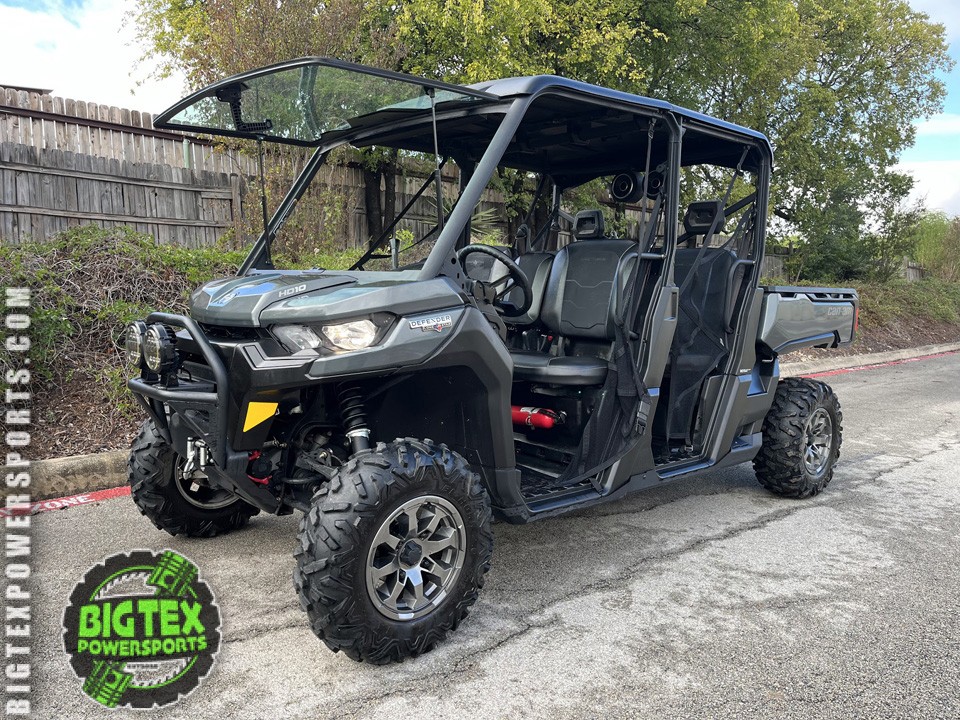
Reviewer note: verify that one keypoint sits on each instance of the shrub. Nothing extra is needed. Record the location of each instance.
(88, 283)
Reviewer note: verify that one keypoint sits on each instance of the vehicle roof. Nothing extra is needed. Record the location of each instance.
(572, 130)
(533, 84)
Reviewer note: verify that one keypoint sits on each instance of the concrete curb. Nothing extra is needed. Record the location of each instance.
(86, 473)
(854, 361)
(78, 474)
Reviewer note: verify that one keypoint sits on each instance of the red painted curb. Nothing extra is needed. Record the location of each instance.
(65, 502)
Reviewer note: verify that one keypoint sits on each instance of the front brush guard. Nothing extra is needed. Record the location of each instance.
(200, 407)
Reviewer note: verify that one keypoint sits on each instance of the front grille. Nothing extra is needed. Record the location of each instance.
(224, 332)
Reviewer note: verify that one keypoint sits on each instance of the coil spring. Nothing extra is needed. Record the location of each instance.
(351, 407)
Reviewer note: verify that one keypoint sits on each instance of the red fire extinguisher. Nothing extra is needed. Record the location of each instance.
(535, 417)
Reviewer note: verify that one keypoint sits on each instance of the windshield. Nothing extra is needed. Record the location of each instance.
(299, 103)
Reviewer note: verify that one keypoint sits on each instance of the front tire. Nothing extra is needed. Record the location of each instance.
(801, 439)
(393, 551)
(165, 497)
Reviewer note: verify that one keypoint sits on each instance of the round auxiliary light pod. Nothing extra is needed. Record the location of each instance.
(159, 351)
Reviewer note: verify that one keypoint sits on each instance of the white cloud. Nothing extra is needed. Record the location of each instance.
(942, 124)
(937, 182)
(84, 53)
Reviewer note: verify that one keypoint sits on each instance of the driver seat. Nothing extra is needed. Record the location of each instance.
(580, 302)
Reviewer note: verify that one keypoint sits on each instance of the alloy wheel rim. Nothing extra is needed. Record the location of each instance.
(197, 490)
(819, 442)
(415, 558)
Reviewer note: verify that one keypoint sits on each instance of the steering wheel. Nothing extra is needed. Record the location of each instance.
(496, 290)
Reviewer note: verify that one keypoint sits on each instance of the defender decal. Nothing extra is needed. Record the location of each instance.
(437, 324)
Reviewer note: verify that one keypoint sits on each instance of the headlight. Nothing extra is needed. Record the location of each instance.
(297, 337)
(355, 335)
(335, 337)
(133, 342)
(159, 352)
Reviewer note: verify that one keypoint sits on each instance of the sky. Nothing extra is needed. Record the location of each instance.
(934, 159)
(82, 49)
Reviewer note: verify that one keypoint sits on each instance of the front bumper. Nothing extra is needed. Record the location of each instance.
(198, 408)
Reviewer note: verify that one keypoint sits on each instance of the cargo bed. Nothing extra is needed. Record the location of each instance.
(793, 318)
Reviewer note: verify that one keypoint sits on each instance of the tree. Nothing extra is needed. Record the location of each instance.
(208, 39)
(938, 245)
(835, 84)
(465, 41)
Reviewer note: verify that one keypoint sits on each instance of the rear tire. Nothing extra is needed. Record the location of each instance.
(393, 551)
(801, 439)
(156, 489)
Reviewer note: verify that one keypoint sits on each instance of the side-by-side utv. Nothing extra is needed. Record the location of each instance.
(401, 408)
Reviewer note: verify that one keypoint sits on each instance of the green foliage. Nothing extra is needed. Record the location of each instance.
(882, 304)
(88, 284)
(858, 238)
(938, 245)
(833, 83)
(329, 259)
(209, 40)
(466, 41)
(484, 223)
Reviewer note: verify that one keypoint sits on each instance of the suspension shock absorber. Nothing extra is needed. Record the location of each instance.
(354, 417)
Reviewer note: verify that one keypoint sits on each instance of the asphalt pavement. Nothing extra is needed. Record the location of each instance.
(708, 598)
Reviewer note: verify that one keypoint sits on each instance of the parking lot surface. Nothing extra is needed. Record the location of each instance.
(707, 598)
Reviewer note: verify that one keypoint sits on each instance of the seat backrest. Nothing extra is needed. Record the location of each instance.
(536, 266)
(712, 291)
(588, 225)
(586, 286)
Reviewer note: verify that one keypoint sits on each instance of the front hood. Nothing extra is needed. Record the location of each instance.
(238, 301)
(269, 298)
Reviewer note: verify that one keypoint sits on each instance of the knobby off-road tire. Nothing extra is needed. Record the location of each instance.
(801, 439)
(347, 563)
(154, 477)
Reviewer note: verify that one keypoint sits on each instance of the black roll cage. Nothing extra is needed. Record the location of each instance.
(442, 258)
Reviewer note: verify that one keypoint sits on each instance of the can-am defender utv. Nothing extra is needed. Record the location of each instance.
(400, 409)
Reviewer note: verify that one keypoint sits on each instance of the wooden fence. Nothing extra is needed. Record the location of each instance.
(47, 122)
(65, 163)
(45, 191)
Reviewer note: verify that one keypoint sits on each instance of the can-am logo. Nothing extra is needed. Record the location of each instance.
(437, 324)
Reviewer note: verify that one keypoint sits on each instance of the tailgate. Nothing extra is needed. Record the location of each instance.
(800, 317)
